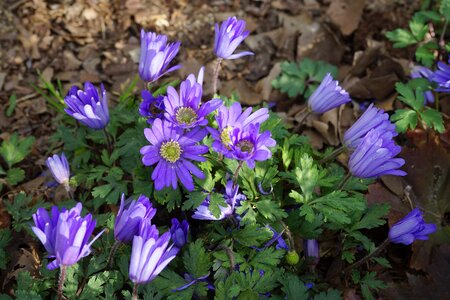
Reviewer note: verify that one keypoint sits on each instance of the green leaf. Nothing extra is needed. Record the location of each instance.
(409, 96)
(267, 258)
(5, 238)
(15, 176)
(216, 200)
(270, 210)
(293, 287)
(382, 262)
(328, 295)
(169, 197)
(404, 119)
(433, 118)
(425, 53)
(401, 38)
(14, 150)
(12, 105)
(418, 29)
(252, 235)
(444, 9)
(373, 217)
(196, 261)
(194, 200)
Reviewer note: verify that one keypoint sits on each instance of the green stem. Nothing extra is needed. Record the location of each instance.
(333, 154)
(216, 75)
(236, 173)
(344, 181)
(112, 253)
(108, 141)
(367, 257)
(62, 279)
(135, 292)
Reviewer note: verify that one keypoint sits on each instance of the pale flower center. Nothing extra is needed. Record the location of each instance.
(186, 115)
(170, 151)
(245, 146)
(225, 136)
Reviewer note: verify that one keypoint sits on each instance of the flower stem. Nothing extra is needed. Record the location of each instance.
(236, 173)
(367, 257)
(332, 155)
(344, 181)
(135, 292)
(62, 279)
(300, 123)
(108, 141)
(68, 190)
(216, 75)
(111, 254)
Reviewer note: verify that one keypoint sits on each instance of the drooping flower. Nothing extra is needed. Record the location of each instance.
(179, 232)
(129, 219)
(311, 249)
(372, 118)
(375, 156)
(150, 253)
(229, 35)
(423, 72)
(442, 77)
(230, 118)
(156, 55)
(59, 166)
(185, 109)
(278, 238)
(88, 106)
(173, 150)
(327, 96)
(68, 240)
(412, 227)
(151, 107)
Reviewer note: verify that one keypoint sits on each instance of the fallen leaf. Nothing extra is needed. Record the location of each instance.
(346, 14)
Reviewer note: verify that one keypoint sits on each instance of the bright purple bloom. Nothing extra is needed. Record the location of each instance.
(87, 106)
(185, 109)
(67, 238)
(59, 166)
(230, 118)
(129, 219)
(311, 249)
(411, 227)
(156, 55)
(278, 238)
(374, 156)
(228, 36)
(151, 107)
(179, 232)
(423, 72)
(372, 118)
(150, 253)
(442, 77)
(327, 96)
(173, 150)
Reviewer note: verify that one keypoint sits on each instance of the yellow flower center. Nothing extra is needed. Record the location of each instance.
(186, 115)
(225, 136)
(170, 151)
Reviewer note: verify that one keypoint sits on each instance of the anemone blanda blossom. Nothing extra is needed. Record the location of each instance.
(151, 107)
(230, 118)
(229, 35)
(150, 253)
(441, 77)
(412, 227)
(278, 238)
(173, 150)
(130, 216)
(375, 156)
(372, 118)
(186, 109)
(232, 198)
(327, 96)
(65, 234)
(311, 249)
(156, 55)
(179, 232)
(423, 72)
(59, 166)
(88, 107)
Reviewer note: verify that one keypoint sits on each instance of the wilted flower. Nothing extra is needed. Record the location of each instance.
(185, 109)
(67, 238)
(374, 156)
(151, 107)
(156, 55)
(150, 253)
(278, 238)
(179, 232)
(87, 106)
(59, 166)
(228, 36)
(311, 249)
(372, 118)
(411, 227)
(173, 150)
(423, 72)
(327, 96)
(442, 77)
(129, 219)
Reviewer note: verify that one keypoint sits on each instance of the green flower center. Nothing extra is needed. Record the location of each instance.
(225, 136)
(245, 146)
(170, 151)
(186, 115)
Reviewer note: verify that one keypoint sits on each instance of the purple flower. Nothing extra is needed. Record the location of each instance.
(277, 237)
(311, 249)
(156, 55)
(230, 118)
(327, 96)
(410, 228)
(228, 37)
(150, 253)
(151, 107)
(173, 150)
(372, 118)
(423, 72)
(442, 77)
(179, 232)
(129, 219)
(65, 235)
(191, 281)
(59, 166)
(374, 156)
(87, 107)
(249, 145)
(185, 109)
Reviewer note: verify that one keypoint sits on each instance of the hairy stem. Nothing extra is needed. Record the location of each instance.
(108, 141)
(332, 155)
(300, 123)
(135, 292)
(112, 253)
(62, 279)
(344, 181)
(216, 75)
(236, 173)
(367, 257)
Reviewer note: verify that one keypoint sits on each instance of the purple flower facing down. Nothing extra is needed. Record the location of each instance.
(88, 106)
(150, 253)
(156, 55)
(230, 118)
(151, 107)
(185, 109)
(411, 227)
(372, 118)
(327, 96)
(311, 249)
(229, 35)
(59, 166)
(173, 150)
(423, 72)
(442, 77)
(374, 156)
(129, 219)
(179, 232)
(278, 238)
